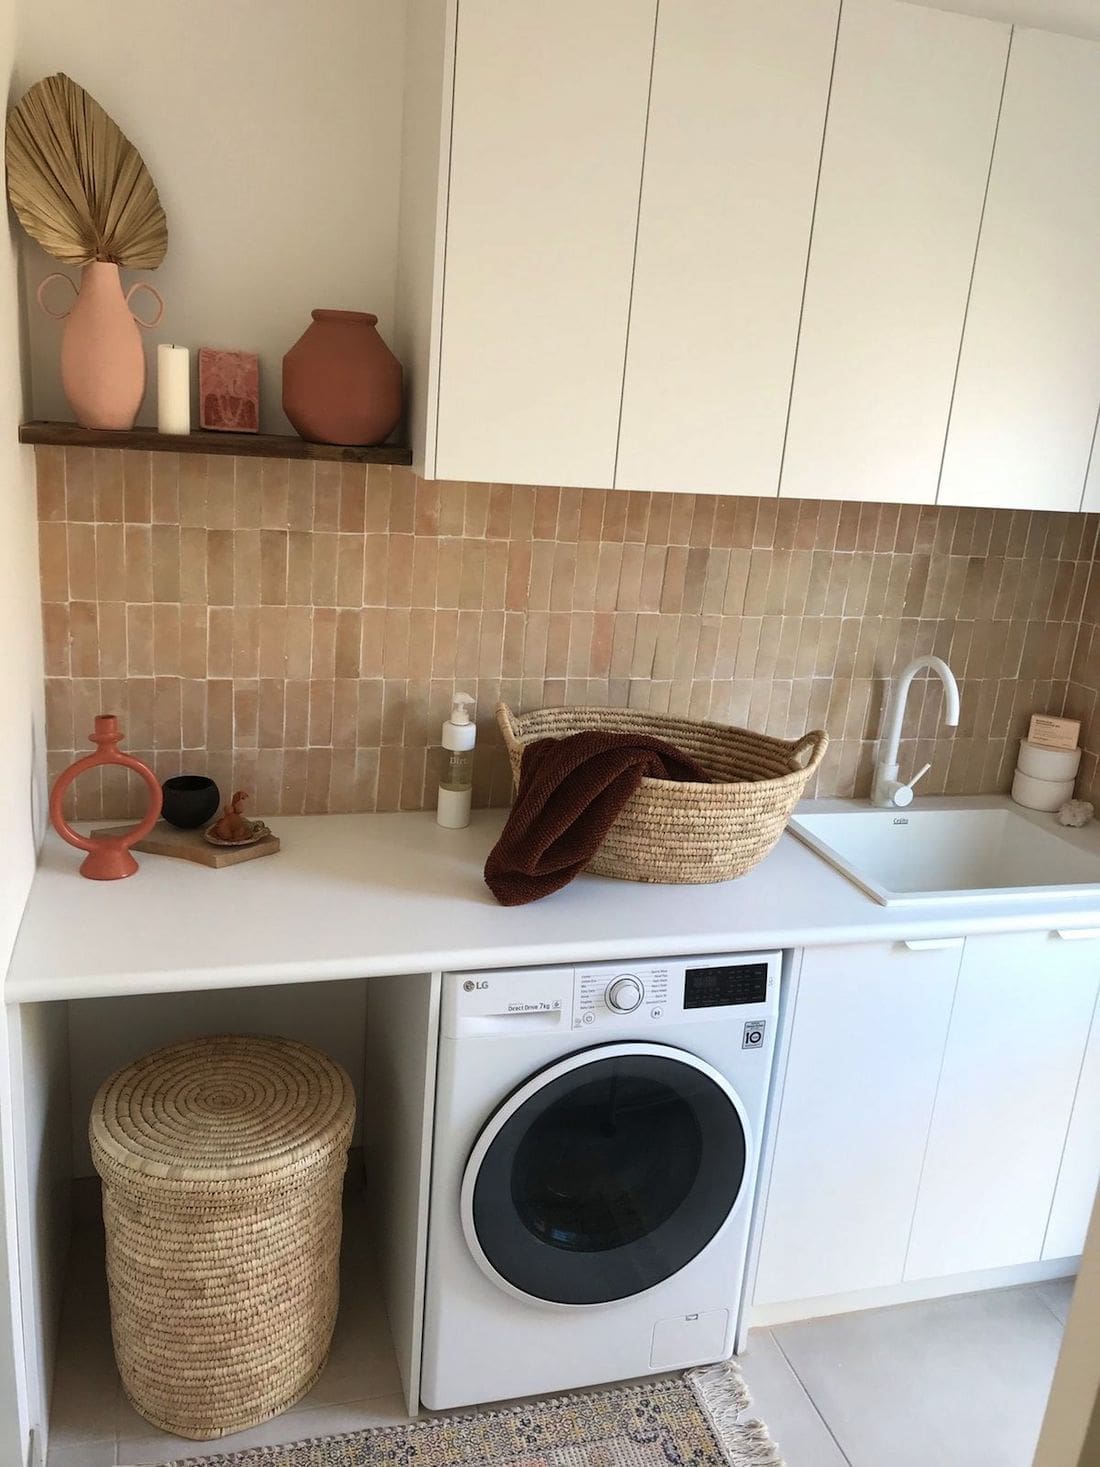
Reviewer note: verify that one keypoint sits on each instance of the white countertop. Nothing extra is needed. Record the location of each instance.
(362, 895)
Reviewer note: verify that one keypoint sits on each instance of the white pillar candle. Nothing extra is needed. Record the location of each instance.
(173, 389)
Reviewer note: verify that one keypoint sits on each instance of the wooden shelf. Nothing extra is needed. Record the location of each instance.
(244, 445)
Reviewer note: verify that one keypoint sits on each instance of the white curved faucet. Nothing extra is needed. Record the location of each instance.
(888, 789)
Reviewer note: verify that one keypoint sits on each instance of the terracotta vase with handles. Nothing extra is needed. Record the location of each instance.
(341, 382)
(102, 358)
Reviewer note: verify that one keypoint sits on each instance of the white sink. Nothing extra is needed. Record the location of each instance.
(945, 849)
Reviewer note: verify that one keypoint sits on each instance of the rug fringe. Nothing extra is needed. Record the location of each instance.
(723, 1395)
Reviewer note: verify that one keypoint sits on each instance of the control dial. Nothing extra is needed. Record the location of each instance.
(625, 994)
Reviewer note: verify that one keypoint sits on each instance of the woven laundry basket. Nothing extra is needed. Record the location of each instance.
(687, 832)
(222, 1162)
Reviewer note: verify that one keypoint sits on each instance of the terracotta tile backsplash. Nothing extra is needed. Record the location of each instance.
(296, 629)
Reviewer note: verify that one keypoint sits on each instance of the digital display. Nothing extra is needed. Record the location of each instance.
(713, 988)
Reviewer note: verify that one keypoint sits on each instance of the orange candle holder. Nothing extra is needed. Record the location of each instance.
(108, 857)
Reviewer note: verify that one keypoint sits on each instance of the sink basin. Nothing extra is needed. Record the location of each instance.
(943, 849)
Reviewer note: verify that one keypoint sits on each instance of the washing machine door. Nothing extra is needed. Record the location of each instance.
(605, 1174)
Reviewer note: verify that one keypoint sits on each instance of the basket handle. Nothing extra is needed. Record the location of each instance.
(506, 726)
(818, 741)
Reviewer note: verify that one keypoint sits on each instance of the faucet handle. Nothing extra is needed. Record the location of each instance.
(903, 794)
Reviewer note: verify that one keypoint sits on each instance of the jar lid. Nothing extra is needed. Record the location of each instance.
(222, 1108)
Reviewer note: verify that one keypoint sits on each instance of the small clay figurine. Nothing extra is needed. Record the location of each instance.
(233, 826)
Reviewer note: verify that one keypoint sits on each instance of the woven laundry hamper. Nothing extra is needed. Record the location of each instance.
(222, 1162)
(680, 831)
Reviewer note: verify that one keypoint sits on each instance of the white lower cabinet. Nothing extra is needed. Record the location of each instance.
(938, 1114)
(1075, 1192)
(869, 1029)
(1010, 1074)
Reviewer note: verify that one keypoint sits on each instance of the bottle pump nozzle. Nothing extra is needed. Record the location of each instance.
(461, 704)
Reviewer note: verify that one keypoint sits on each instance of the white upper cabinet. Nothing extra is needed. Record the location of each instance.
(1029, 375)
(737, 111)
(908, 142)
(546, 143)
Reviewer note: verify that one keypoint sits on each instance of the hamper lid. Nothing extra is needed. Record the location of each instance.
(220, 1108)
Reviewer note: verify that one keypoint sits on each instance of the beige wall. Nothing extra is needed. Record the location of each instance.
(272, 129)
(21, 740)
(21, 745)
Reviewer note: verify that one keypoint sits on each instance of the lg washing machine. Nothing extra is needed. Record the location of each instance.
(597, 1136)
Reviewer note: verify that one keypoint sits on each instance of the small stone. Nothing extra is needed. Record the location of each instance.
(1075, 812)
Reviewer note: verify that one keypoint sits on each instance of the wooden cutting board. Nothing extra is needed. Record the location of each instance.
(189, 845)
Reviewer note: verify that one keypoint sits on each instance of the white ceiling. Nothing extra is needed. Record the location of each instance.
(1075, 17)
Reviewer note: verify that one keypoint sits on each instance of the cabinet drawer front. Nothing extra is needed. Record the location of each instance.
(908, 141)
(545, 174)
(866, 1046)
(1010, 1070)
(732, 149)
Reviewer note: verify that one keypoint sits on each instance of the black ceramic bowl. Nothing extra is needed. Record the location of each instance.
(189, 800)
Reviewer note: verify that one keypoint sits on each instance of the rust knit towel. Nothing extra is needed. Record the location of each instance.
(570, 792)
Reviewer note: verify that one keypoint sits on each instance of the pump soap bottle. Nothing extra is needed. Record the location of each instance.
(456, 778)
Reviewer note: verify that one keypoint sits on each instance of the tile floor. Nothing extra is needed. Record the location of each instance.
(952, 1381)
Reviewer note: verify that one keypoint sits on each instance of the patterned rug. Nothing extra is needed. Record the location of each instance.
(691, 1421)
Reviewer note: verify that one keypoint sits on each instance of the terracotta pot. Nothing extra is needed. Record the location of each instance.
(341, 382)
(102, 358)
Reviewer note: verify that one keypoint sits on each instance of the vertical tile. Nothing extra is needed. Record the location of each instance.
(219, 477)
(350, 569)
(193, 489)
(273, 567)
(247, 493)
(300, 491)
(49, 471)
(165, 490)
(353, 498)
(193, 635)
(165, 545)
(139, 641)
(79, 485)
(246, 567)
(82, 563)
(193, 565)
(273, 628)
(107, 477)
(137, 480)
(326, 496)
(219, 567)
(274, 493)
(53, 560)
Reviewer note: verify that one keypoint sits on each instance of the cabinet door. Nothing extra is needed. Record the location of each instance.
(1079, 1173)
(908, 141)
(868, 1035)
(736, 116)
(1029, 374)
(1010, 1071)
(548, 131)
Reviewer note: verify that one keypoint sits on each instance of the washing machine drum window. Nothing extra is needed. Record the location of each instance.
(605, 1174)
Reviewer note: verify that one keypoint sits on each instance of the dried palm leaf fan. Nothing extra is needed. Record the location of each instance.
(78, 184)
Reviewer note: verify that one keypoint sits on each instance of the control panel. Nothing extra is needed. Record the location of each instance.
(672, 990)
(602, 996)
(608, 992)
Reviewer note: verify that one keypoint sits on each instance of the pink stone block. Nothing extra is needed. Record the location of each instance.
(229, 390)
